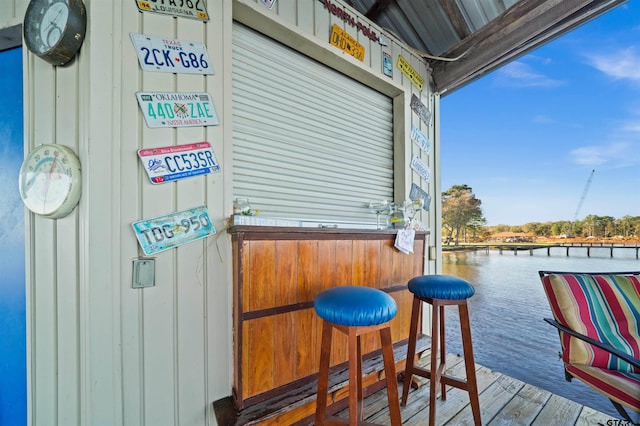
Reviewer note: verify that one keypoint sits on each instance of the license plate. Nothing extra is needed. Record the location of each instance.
(343, 40)
(194, 9)
(166, 232)
(420, 139)
(170, 55)
(163, 109)
(178, 162)
(420, 167)
(419, 108)
(418, 193)
(411, 73)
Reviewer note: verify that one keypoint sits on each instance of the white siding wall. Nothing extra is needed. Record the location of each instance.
(102, 353)
(12, 12)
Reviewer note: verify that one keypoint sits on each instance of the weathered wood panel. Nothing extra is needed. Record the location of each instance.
(279, 278)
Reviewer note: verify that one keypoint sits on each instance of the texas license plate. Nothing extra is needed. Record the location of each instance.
(166, 232)
(170, 55)
(177, 162)
(163, 109)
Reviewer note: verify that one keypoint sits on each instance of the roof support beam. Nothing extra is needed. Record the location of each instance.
(523, 27)
(457, 19)
(378, 8)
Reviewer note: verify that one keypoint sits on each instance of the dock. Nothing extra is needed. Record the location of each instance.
(567, 249)
(503, 401)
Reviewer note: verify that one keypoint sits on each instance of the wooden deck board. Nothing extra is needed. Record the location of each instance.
(523, 408)
(558, 410)
(591, 417)
(503, 401)
(491, 386)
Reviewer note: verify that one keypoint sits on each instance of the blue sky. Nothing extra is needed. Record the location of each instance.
(526, 137)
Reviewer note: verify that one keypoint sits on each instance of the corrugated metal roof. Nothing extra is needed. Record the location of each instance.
(465, 39)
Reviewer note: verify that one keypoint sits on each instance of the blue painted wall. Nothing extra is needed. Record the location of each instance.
(13, 361)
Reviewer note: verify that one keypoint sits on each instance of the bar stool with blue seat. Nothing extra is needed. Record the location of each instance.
(440, 291)
(355, 310)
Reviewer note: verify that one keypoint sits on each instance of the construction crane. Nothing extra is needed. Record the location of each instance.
(584, 194)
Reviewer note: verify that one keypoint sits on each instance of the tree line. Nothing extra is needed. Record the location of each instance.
(462, 220)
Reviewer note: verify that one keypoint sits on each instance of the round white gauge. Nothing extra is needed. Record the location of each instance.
(50, 181)
(53, 23)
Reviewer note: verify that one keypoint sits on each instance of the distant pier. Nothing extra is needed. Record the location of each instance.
(568, 248)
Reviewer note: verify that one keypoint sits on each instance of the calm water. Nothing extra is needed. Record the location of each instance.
(507, 311)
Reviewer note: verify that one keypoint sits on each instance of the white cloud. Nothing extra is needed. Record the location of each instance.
(621, 149)
(632, 127)
(623, 64)
(519, 74)
(543, 119)
(614, 154)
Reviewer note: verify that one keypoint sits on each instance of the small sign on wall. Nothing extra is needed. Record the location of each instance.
(418, 193)
(344, 41)
(414, 76)
(420, 167)
(419, 108)
(164, 109)
(194, 9)
(161, 54)
(387, 64)
(166, 232)
(420, 139)
(178, 162)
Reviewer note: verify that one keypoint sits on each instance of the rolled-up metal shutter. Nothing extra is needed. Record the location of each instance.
(308, 142)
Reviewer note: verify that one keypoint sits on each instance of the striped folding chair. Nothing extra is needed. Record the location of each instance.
(598, 319)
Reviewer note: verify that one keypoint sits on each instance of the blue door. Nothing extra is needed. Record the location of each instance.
(13, 358)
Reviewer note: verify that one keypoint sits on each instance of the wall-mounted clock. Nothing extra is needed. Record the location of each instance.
(50, 181)
(55, 29)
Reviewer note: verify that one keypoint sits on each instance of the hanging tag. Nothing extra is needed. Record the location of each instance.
(404, 240)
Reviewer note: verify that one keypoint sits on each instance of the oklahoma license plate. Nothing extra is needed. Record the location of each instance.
(170, 55)
(166, 232)
(163, 109)
(178, 162)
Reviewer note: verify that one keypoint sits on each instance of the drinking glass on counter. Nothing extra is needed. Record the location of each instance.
(378, 207)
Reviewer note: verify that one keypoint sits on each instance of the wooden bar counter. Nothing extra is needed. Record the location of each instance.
(278, 272)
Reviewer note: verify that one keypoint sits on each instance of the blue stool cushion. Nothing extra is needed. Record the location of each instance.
(355, 306)
(441, 287)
